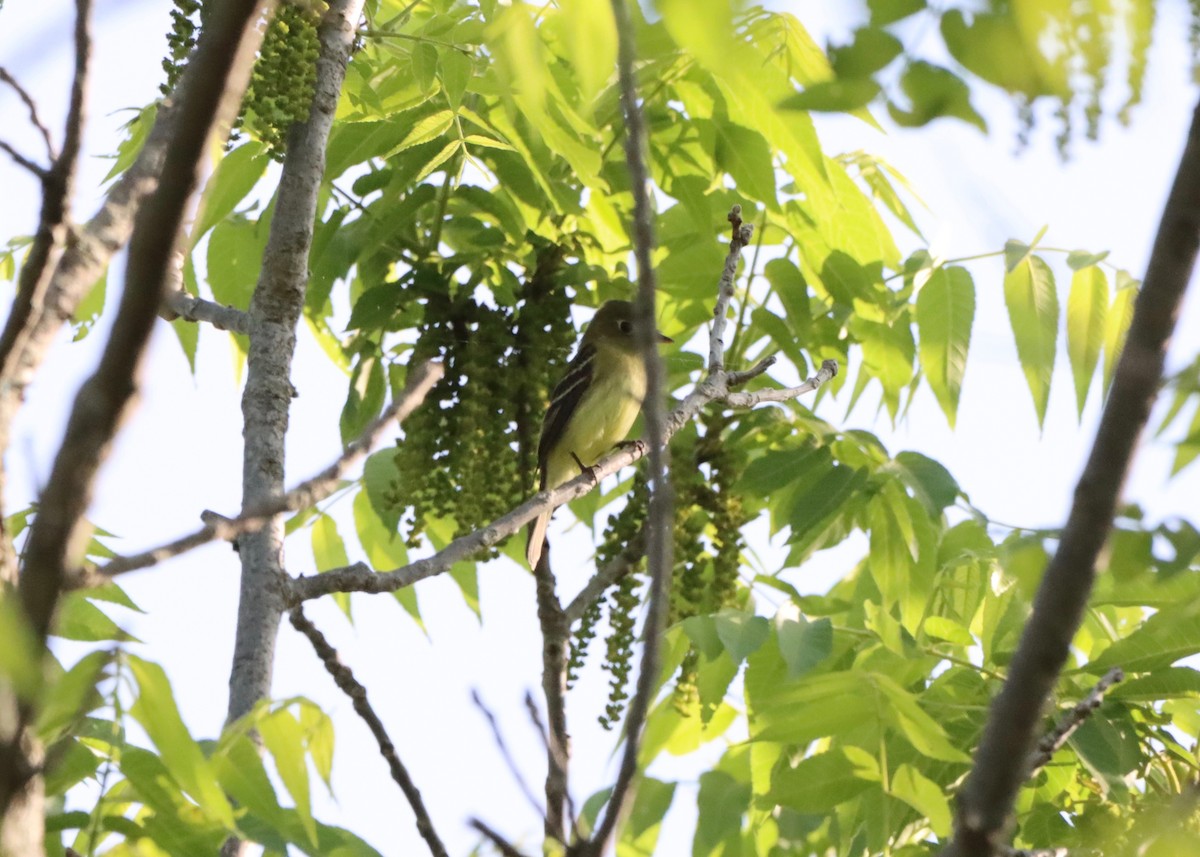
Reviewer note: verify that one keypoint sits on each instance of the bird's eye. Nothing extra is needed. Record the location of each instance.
(625, 326)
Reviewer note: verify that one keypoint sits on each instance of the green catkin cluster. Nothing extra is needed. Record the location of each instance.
(285, 75)
(622, 605)
(618, 660)
(707, 545)
(185, 21)
(479, 426)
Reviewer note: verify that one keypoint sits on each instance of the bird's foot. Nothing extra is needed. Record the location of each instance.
(587, 469)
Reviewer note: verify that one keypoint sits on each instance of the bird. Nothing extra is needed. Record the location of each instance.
(593, 407)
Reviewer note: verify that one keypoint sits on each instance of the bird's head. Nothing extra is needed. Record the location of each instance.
(613, 323)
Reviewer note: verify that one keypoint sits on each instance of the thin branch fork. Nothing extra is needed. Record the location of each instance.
(349, 685)
(31, 106)
(1053, 741)
(308, 493)
(987, 797)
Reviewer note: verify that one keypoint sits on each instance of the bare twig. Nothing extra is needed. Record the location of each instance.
(38, 170)
(179, 304)
(59, 533)
(45, 252)
(1052, 741)
(615, 570)
(987, 798)
(660, 517)
(555, 634)
(502, 845)
(535, 717)
(741, 237)
(518, 777)
(31, 106)
(308, 493)
(349, 685)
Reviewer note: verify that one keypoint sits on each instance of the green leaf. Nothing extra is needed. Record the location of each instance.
(364, 398)
(1120, 314)
(1087, 314)
(456, 74)
(424, 65)
(746, 156)
(922, 731)
(639, 834)
(157, 713)
(833, 96)
(284, 739)
(20, 654)
(235, 176)
(80, 619)
(924, 795)
(720, 804)
(814, 707)
(241, 772)
(1077, 260)
(72, 695)
(590, 33)
(89, 309)
(871, 50)
(376, 307)
(930, 482)
(934, 92)
(1163, 683)
(884, 12)
(466, 575)
(802, 643)
(379, 480)
(943, 628)
(945, 314)
(703, 28)
(993, 47)
(487, 142)
(741, 633)
(329, 552)
(437, 160)
(1032, 302)
(1164, 638)
(820, 783)
(428, 128)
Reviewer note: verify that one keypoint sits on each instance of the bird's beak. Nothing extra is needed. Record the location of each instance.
(663, 338)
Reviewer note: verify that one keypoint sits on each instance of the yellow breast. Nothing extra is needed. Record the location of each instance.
(604, 416)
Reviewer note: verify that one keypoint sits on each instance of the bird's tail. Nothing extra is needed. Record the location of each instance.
(537, 539)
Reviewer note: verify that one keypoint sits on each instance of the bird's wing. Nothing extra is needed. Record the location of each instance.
(564, 401)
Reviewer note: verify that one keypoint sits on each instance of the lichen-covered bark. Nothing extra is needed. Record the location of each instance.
(274, 313)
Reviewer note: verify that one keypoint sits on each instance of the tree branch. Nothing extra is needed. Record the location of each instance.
(275, 310)
(31, 106)
(179, 304)
(716, 341)
(349, 685)
(1053, 740)
(617, 568)
(661, 517)
(987, 798)
(360, 577)
(555, 635)
(39, 172)
(59, 533)
(509, 761)
(303, 496)
(501, 844)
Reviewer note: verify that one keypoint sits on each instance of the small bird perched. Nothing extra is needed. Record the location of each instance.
(592, 408)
